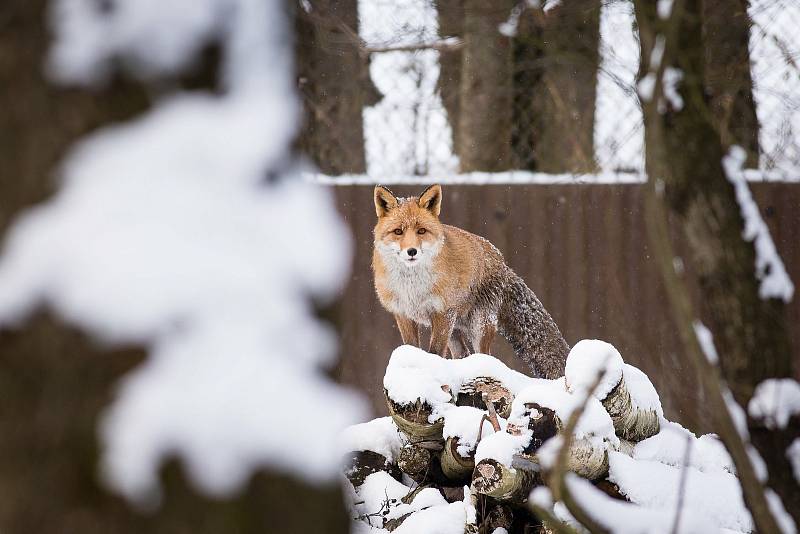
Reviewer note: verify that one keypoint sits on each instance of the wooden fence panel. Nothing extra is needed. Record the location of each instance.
(583, 249)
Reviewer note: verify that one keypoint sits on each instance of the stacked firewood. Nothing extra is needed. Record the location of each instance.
(517, 430)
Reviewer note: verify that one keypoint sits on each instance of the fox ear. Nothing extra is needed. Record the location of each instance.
(431, 199)
(384, 200)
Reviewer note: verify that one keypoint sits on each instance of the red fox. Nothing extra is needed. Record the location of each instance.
(428, 273)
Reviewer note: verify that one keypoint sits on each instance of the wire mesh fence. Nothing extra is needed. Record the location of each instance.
(564, 82)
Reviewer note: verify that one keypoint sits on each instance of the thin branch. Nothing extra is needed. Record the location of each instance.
(682, 485)
(557, 478)
(680, 304)
(443, 45)
(551, 521)
(492, 413)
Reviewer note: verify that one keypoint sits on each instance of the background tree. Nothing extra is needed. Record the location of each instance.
(684, 156)
(451, 24)
(555, 66)
(726, 37)
(55, 381)
(333, 74)
(483, 140)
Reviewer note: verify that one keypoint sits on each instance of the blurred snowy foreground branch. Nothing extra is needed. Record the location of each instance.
(591, 450)
(167, 232)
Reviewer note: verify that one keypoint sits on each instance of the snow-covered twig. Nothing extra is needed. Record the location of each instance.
(557, 477)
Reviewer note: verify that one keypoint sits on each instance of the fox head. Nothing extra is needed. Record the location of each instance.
(408, 231)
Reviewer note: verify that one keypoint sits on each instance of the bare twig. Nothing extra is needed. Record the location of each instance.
(551, 521)
(492, 413)
(679, 299)
(442, 45)
(557, 478)
(682, 485)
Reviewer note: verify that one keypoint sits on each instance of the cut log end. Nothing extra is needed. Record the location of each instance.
(493, 479)
(455, 466)
(472, 394)
(360, 464)
(413, 419)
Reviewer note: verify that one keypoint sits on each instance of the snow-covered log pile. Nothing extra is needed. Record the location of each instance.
(471, 446)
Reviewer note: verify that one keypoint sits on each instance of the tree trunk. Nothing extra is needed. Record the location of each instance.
(726, 34)
(333, 76)
(451, 24)
(55, 382)
(684, 153)
(483, 142)
(556, 61)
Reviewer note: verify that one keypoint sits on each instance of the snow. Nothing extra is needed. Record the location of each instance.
(464, 422)
(785, 521)
(587, 360)
(478, 178)
(651, 476)
(643, 394)
(443, 519)
(379, 435)
(626, 518)
(381, 495)
(162, 234)
(773, 45)
(502, 447)
(646, 86)
(595, 424)
(407, 131)
(706, 340)
(793, 454)
(415, 374)
(618, 125)
(706, 453)
(770, 270)
(737, 413)
(775, 401)
(409, 134)
(715, 496)
(380, 498)
(664, 8)
(672, 78)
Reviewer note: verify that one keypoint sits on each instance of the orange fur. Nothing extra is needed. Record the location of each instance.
(436, 290)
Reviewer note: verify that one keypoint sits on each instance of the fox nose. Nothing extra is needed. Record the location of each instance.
(412, 252)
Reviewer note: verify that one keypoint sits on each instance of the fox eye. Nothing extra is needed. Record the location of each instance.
(398, 231)
(421, 231)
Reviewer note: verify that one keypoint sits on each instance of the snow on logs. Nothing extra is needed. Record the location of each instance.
(475, 422)
(507, 462)
(626, 393)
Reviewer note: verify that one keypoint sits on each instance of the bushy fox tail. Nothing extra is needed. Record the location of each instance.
(530, 330)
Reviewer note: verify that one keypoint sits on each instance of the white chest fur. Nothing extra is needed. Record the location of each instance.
(411, 288)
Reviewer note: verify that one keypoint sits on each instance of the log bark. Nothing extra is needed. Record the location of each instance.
(412, 419)
(483, 142)
(422, 465)
(585, 459)
(455, 466)
(631, 423)
(726, 36)
(360, 464)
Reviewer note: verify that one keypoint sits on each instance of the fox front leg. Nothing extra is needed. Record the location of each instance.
(442, 325)
(408, 330)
